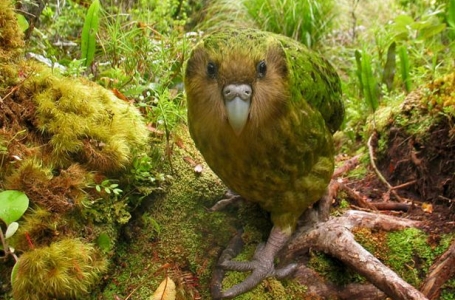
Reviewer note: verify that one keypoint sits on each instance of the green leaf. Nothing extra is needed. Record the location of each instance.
(22, 21)
(358, 60)
(405, 69)
(104, 242)
(11, 230)
(431, 31)
(451, 14)
(13, 205)
(390, 67)
(14, 272)
(367, 81)
(88, 37)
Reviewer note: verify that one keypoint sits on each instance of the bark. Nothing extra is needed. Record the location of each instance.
(335, 238)
(441, 271)
(319, 288)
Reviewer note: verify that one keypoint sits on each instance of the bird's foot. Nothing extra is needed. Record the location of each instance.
(230, 197)
(261, 266)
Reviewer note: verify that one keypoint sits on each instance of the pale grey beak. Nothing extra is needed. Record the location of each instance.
(237, 99)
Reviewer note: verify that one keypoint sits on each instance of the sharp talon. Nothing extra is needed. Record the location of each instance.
(262, 265)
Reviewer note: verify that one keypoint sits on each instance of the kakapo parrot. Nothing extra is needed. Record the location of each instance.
(262, 109)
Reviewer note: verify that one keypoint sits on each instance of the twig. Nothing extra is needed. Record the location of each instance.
(391, 206)
(353, 195)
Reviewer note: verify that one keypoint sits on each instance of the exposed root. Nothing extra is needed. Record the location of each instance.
(335, 238)
(376, 170)
(441, 271)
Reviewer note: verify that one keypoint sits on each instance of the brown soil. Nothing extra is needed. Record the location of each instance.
(428, 165)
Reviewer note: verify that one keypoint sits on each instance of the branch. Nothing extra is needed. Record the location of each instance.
(334, 237)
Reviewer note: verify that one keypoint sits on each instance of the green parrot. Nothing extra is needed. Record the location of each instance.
(262, 109)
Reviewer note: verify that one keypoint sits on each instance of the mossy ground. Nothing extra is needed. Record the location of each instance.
(173, 234)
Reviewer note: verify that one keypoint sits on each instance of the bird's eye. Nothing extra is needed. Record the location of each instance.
(261, 69)
(211, 70)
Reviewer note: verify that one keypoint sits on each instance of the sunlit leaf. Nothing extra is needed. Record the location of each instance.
(11, 230)
(13, 205)
(166, 290)
(22, 21)
(88, 37)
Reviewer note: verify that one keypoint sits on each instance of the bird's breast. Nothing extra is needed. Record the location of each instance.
(289, 162)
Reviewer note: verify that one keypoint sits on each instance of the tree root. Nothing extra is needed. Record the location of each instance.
(335, 238)
(391, 189)
(440, 272)
(319, 288)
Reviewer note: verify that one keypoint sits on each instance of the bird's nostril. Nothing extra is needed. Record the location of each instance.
(231, 91)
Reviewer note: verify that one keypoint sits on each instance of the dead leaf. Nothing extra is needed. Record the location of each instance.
(119, 95)
(166, 290)
(154, 131)
(427, 207)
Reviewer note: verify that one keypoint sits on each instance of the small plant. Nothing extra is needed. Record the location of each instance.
(88, 38)
(306, 21)
(108, 187)
(367, 81)
(13, 205)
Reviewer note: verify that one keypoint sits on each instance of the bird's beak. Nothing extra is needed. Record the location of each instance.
(237, 99)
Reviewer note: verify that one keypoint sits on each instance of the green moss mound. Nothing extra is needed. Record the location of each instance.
(72, 147)
(66, 269)
(84, 122)
(11, 37)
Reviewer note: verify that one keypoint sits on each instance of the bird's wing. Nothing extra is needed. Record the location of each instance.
(315, 80)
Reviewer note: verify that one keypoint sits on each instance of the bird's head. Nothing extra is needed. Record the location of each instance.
(237, 79)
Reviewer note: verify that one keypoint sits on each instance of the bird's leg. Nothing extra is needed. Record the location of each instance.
(262, 265)
(230, 197)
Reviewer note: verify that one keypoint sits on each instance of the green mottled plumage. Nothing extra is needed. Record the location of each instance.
(283, 158)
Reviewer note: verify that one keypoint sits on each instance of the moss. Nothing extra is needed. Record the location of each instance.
(411, 255)
(374, 242)
(177, 236)
(60, 137)
(440, 95)
(67, 269)
(332, 269)
(84, 122)
(448, 290)
(408, 252)
(11, 37)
